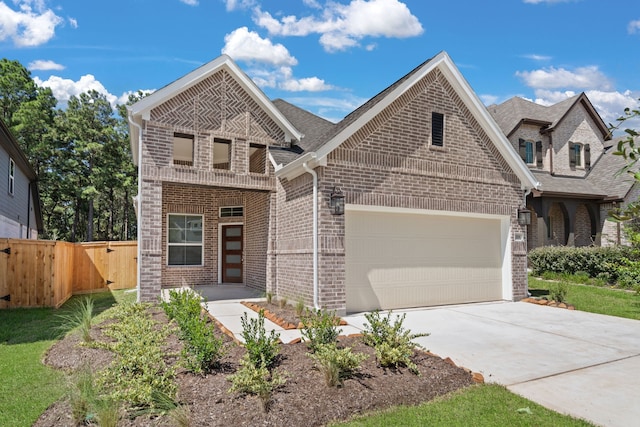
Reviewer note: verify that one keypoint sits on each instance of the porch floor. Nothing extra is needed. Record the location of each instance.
(227, 292)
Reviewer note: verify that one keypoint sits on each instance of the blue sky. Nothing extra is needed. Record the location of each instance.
(331, 56)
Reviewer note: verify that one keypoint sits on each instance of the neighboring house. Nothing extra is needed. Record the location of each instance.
(235, 188)
(20, 214)
(567, 147)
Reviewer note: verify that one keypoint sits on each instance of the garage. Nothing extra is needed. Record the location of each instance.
(401, 258)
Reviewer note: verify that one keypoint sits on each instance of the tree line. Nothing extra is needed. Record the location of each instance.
(80, 153)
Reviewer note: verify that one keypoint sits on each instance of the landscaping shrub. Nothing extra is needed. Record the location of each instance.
(558, 291)
(262, 349)
(320, 328)
(392, 342)
(256, 380)
(593, 261)
(629, 274)
(335, 363)
(81, 317)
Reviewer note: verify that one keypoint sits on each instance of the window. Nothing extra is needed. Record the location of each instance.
(12, 176)
(182, 149)
(257, 158)
(184, 240)
(437, 129)
(526, 151)
(221, 154)
(229, 211)
(579, 155)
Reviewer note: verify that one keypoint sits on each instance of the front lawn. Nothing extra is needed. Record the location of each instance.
(482, 405)
(593, 299)
(28, 387)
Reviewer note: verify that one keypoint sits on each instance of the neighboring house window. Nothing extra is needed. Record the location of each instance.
(230, 211)
(12, 176)
(184, 239)
(182, 149)
(579, 155)
(527, 154)
(437, 129)
(257, 158)
(221, 154)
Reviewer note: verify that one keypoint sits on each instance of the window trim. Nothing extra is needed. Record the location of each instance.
(575, 147)
(435, 135)
(231, 212)
(185, 244)
(11, 177)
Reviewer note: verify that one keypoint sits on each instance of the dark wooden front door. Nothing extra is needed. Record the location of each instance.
(232, 238)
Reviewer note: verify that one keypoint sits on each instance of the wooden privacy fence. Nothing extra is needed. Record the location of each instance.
(43, 273)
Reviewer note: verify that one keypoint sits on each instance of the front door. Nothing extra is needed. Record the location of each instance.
(232, 238)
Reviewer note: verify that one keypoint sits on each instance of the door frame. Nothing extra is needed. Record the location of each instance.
(220, 225)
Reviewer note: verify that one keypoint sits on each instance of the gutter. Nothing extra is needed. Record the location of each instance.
(139, 216)
(313, 173)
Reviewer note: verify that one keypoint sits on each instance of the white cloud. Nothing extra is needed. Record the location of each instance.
(489, 99)
(245, 45)
(310, 84)
(190, 2)
(332, 109)
(63, 89)
(43, 65)
(634, 26)
(554, 78)
(239, 4)
(31, 25)
(73, 22)
(537, 57)
(343, 26)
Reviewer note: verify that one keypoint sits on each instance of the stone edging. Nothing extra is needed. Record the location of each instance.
(541, 301)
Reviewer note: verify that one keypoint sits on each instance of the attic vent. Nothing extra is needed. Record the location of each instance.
(437, 129)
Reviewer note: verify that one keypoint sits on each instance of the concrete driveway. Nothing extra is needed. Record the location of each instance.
(583, 364)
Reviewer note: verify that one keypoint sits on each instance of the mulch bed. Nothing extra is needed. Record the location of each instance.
(304, 400)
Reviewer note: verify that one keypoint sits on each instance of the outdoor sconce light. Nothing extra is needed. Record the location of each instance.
(524, 216)
(337, 201)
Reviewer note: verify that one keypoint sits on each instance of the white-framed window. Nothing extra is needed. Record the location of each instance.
(437, 129)
(12, 176)
(231, 211)
(183, 149)
(184, 239)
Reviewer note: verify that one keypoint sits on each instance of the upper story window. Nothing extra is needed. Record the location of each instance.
(221, 153)
(230, 211)
(437, 129)
(183, 149)
(184, 240)
(257, 158)
(579, 155)
(530, 152)
(12, 176)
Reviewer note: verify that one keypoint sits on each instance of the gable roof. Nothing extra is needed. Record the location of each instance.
(515, 111)
(141, 110)
(335, 136)
(9, 143)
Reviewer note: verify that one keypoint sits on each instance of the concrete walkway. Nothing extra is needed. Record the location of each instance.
(583, 364)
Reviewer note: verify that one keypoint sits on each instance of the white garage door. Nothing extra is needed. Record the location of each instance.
(401, 260)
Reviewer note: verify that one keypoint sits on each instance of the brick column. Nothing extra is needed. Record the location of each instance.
(150, 240)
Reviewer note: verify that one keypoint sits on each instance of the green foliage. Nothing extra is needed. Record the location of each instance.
(82, 394)
(282, 302)
(262, 348)
(337, 364)
(300, 307)
(81, 317)
(255, 380)
(139, 369)
(269, 296)
(320, 327)
(593, 261)
(558, 291)
(393, 343)
(202, 350)
(629, 274)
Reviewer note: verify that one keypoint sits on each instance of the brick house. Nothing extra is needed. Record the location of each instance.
(235, 188)
(567, 146)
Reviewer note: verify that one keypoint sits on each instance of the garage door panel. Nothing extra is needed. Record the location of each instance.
(397, 260)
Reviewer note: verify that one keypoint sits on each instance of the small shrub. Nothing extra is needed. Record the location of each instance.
(108, 412)
(392, 343)
(558, 291)
(335, 363)
(580, 277)
(629, 275)
(300, 307)
(320, 328)
(262, 348)
(282, 302)
(202, 350)
(255, 380)
(269, 296)
(80, 317)
(82, 394)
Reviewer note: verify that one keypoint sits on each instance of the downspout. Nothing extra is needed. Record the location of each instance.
(29, 211)
(551, 153)
(313, 173)
(139, 215)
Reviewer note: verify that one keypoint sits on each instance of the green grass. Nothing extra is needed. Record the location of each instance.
(28, 387)
(481, 405)
(594, 299)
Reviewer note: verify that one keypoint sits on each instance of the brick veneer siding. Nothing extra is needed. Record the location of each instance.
(389, 162)
(578, 127)
(557, 236)
(582, 227)
(532, 133)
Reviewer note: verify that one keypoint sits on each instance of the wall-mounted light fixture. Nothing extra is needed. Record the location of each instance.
(524, 216)
(337, 201)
